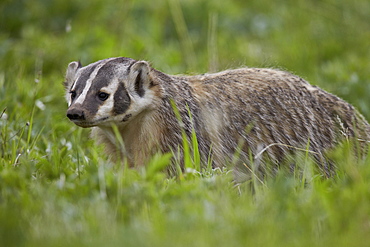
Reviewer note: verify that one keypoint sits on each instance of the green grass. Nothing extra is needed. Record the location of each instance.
(56, 186)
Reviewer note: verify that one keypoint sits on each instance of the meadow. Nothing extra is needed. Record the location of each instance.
(57, 187)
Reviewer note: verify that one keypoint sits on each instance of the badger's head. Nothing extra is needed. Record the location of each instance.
(113, 90)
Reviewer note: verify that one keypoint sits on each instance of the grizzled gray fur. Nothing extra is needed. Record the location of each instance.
(235, 113)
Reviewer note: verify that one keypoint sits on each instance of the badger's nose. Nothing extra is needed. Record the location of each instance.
(75, 114)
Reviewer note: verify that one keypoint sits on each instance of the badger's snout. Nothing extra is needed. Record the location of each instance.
(76, 114)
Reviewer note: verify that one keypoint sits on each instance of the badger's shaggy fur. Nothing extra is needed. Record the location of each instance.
(243, 111)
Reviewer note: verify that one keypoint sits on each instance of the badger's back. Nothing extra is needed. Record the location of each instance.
(266, 107)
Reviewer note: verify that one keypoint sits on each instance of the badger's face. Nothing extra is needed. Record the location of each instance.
(109, 91)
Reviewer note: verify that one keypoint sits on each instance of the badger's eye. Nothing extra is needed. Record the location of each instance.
(103, 96)
(73, 95)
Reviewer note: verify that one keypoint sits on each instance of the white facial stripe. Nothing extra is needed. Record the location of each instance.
(112, 87)
(80, 99)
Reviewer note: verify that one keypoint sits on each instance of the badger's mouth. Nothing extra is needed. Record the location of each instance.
(89, 124)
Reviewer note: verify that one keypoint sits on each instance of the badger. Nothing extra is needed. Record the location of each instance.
(237, 115)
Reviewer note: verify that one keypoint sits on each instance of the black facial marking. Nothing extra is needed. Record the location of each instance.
(126, 117)
(81, 81)
(121, 100)
(104, 77)
(107, 72)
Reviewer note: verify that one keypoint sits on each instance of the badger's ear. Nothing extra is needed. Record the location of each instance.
(71, 73)
(139, 79)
